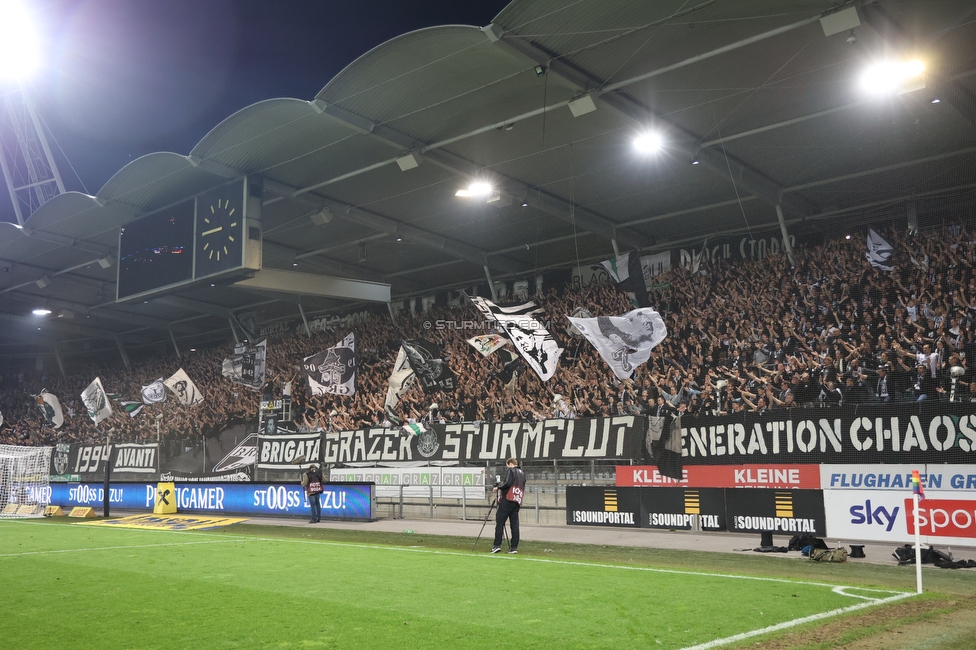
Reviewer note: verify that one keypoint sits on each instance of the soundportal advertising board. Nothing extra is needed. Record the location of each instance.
(339, 501)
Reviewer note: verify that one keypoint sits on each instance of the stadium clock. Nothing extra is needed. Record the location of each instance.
(220, 230)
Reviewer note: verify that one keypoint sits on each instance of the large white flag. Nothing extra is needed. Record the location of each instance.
(401, 379)
(96, 401)
(333, 370)
(531, 338)
(184, 389)
(879, 252)
(624, 342)
(154, 392)
(51, 408)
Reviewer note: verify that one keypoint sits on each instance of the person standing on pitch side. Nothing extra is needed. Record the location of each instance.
(510, 495)
(312, 482)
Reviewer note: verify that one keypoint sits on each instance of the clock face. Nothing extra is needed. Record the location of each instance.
(220, 228)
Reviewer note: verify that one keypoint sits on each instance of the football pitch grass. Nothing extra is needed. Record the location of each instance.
(79, 586)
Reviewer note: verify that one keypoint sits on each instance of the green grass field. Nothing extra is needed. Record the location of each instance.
(77, 586)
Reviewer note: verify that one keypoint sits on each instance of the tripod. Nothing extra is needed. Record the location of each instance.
(485, 523)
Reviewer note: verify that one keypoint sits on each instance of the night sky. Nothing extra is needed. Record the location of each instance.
(124, 78)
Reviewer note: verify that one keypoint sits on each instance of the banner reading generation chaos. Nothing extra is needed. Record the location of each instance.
(904, 433)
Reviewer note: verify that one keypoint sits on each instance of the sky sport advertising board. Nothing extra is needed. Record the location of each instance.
(945, 518)
(339, 501)
(874, 503)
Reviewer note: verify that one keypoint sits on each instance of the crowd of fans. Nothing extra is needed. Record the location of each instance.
(742, 336)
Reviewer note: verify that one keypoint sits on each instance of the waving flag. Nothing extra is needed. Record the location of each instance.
(247, 367)
(154, 392)
(96, 401)
(401, 379)
(531, 338)
(624, 342)
(51, 408)
(487, 343)
(428, 364)
(917, 485)
(333, 370)
(184, 388)
(879, 252)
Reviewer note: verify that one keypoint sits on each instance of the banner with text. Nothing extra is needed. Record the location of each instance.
(342, 501)
(603, 506)
(783, 512)
(683, 509)
(446, 482)
(805, 477)
(889, 516)
(289, 451)
(954, 478)
(617, 438)
(932, 433)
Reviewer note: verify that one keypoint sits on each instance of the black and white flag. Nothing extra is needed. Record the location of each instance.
(663, 443)
(51, 408)
(154, 392)
(624, 342)
(511, 368)
(427, 362)
(96, 401)
(247, 366)
(626, 270)
(531, 338)
(401, 379)
(879, 252)
(333, 370)
(184, 388)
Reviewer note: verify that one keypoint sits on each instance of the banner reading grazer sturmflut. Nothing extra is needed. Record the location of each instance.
(905, 433)
(593, 438)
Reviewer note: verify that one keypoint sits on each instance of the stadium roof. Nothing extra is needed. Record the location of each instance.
(544, 104)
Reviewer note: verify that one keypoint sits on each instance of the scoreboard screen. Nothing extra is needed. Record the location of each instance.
(156, 251)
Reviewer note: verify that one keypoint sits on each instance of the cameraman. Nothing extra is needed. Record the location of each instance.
(510, 495)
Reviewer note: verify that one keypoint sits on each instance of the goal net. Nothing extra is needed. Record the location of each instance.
(25, 488)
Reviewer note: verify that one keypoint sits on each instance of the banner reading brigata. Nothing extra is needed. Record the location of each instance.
(933, 433)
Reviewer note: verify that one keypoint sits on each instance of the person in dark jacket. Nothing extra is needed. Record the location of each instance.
(510, 494)
(312, 482)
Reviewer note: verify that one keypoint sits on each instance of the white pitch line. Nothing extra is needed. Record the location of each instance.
(795, 622)
(112, 548)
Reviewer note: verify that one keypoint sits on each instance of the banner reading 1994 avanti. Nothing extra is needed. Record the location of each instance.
(933, 433)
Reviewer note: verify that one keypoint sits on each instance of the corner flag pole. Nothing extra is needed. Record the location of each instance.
(918, 548)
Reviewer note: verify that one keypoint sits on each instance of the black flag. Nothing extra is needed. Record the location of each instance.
(428, 365)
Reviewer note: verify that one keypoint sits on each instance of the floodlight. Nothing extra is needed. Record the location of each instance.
(41, 311)
(477, 188)
(649, 142)
(888, 77)
(20, 51)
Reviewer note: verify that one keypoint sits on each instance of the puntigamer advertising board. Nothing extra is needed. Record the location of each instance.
(339, 500)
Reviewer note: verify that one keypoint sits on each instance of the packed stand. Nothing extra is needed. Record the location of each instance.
(742, 336)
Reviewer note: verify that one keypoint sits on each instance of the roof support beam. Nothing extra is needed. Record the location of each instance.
(549, 203)
(316, 285)
(610, 96)
(396, 228)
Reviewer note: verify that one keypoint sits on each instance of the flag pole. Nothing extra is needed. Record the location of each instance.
(918, 548)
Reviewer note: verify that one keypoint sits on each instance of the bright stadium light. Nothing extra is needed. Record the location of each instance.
(475, 189)
(20, 52)
(40, 311)
(889, 77)
(649, 142)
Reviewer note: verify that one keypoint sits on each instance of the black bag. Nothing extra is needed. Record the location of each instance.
(802, 540)
(906, 555)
